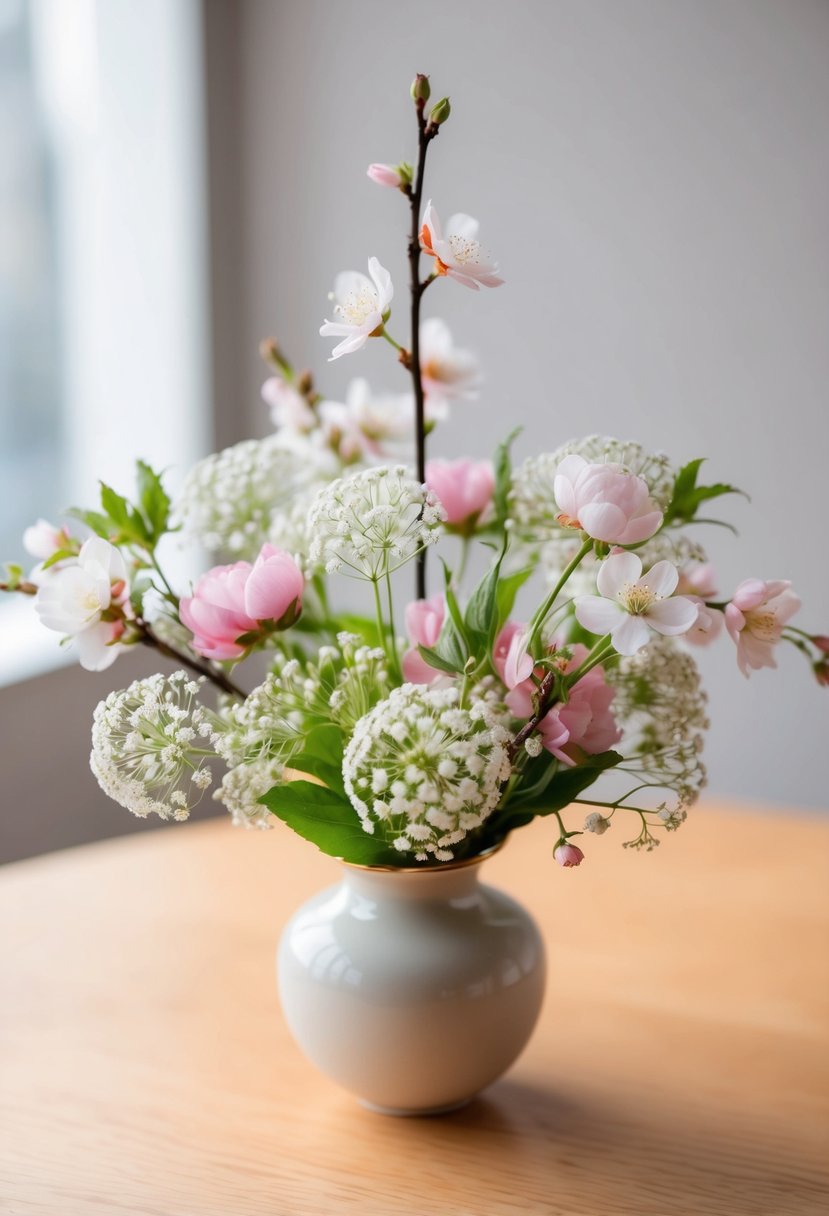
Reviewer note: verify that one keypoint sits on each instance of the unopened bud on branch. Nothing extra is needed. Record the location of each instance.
(420, 88)
(273, 356)
(440, 112)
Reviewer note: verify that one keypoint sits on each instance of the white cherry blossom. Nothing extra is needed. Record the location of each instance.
(449, 373)
(630, 604)
(361, 306)
(458, 252)
(72, 598)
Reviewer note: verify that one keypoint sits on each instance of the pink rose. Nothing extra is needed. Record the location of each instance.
(568, 854)
(605, 502)
(755, 619)
(231, 601)
(465, 489)
(424, 621)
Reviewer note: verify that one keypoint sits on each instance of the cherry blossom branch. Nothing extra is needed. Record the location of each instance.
(426, 131)
(150, 638)
(545, 699)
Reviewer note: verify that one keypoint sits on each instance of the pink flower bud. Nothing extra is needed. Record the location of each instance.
(568, 854)
(821, 670)
(424, 621)
(821, 641)
(230, 602)
(605, 502)
(465, 489)
(385, 175)
(43, 539)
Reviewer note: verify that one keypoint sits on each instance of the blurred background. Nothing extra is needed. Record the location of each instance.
(180, 178)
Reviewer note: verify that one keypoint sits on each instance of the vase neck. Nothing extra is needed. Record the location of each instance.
(430, 883)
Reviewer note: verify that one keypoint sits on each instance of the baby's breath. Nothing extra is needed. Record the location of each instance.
(371, 523)
(150, 743)
(234, 501)
(423, 772)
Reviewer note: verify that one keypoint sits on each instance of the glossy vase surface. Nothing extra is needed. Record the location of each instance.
(413, 989)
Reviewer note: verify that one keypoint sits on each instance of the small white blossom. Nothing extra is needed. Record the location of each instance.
(239, 498)
(443, 769)
(533, 745)
(142, 746)
(372, 522)
(596, 822)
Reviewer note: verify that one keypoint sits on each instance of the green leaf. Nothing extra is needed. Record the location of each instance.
(153, 499)
(59, 556)
(688, 496)
(503, 477)
(326, 743)
(508, 588)
(363, 626)
(329, 821)
(448, 655)
(14, 576)
(127, 523)
(100, 524)
(566, 784)
(481, 618)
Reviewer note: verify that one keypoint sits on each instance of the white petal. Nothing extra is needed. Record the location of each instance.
(673, 616)
(598, 615)
(462, 225)
(631, 635)
(662, 579)
(383, 284)
(351, 282)
(617, 570)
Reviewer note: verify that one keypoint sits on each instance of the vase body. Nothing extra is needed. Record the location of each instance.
(412, 989)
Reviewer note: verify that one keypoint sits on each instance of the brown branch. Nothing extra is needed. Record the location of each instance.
(209, 670)
(425, 133)
(544, 701)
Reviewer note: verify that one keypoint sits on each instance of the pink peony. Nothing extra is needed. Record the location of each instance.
(424, 621)
(605, 502)
(464, 487)
(755, 619)
(231, 601)
(568, 854)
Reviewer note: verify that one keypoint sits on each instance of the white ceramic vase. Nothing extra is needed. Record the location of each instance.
(413, 989)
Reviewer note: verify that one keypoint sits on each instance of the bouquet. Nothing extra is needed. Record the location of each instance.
(573, 695)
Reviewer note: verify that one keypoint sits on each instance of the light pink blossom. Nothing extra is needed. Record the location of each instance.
(43, 539)
(289, 409)
(457, 253)
(361, 305)
(605, 502)
(74, 595)
(367, 425)
(465, 489)
(630, 604)
(385, 175)
(568, 855)
(424, 621)
(231, 601)
(755, 618)
(517, 662)
(698, 581)
(449, 373)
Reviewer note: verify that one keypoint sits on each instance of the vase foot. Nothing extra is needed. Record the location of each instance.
(402, 1112)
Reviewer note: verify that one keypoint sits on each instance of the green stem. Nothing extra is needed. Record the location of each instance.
(464, 559)
(597, 655)
(537, 623)
(392, 633)
(171, 595)
(381, 624)
(396, 345)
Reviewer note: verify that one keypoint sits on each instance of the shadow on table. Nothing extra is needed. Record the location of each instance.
(553, 1153)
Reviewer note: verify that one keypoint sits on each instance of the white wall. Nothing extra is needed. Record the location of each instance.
(654, 176)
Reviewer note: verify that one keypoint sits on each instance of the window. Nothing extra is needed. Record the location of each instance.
(103, 262)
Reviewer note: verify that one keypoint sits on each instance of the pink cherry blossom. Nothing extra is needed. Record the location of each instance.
(457, 253)
(361, 304)
(568, 855)
(367, 425)
(518, 663)
(289, 409)
(698, 581)
(231, 601)
(629, 604)
(43, 539)
(424, 621)
(605, 502)
(755, 618)
(584, 721)
(385, 175)
(449, 373)
(465, 489)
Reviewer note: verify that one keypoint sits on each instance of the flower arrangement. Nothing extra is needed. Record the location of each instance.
(585, 706)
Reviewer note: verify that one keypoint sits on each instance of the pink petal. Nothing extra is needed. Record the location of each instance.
(598, 615)
(672, 616)
(662, 578)
(603, 521)
(641, 527)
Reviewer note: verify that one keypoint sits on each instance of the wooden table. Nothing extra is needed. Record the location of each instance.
(680, 1065)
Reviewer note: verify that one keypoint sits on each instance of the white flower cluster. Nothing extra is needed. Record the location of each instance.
(662, 706)
(269, 727)
(232, 501)
(150, 743)
(372, 522)
(424, 771)
(533, 509)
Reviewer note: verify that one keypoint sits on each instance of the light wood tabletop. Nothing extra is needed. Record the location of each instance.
(680, 1065)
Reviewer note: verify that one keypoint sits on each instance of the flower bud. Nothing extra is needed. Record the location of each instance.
(440, 112)
(821, 670)
(821, 641)
(273, 356)
(568, 854)
(420, 88)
